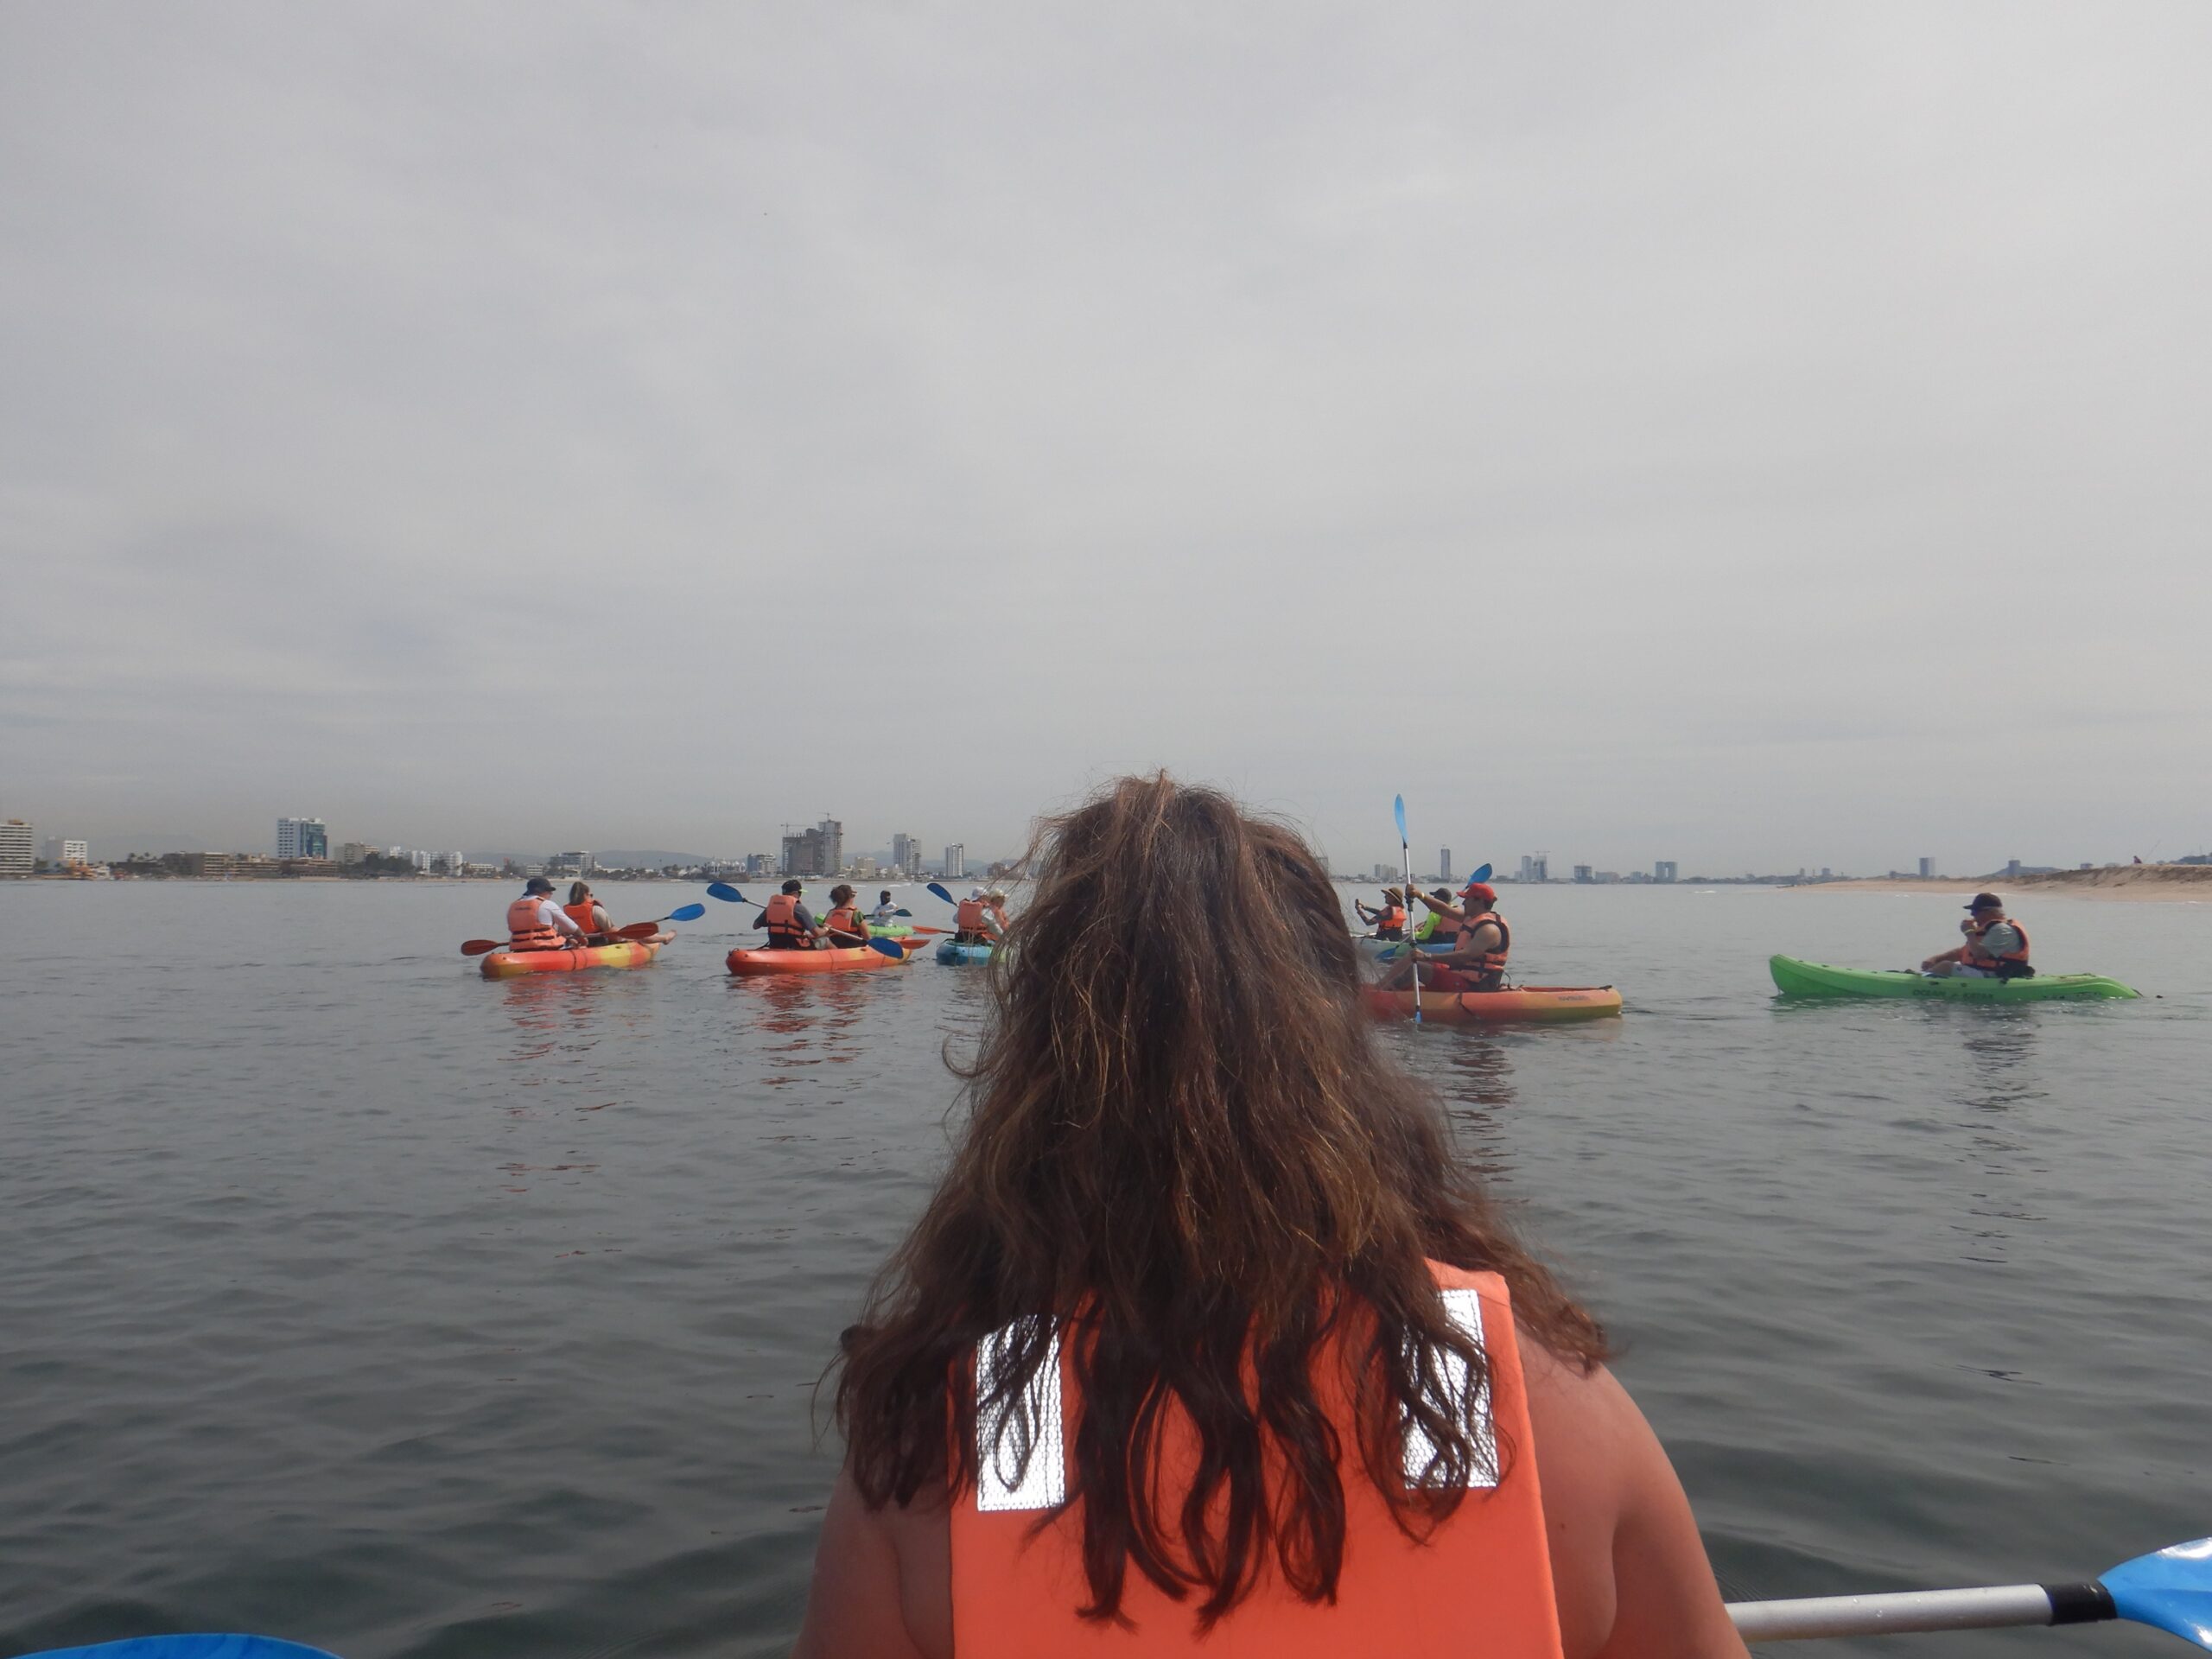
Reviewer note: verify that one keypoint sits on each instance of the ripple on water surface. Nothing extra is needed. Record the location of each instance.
(379, 1305)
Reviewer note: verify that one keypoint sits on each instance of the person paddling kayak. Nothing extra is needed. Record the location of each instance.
(1481, 942)
(885, 912)
(1390, 920)
(1996, 946)
(584, 909)
(536, 923)
(844, 925)
(1209, 1341)
(791, 927)
(978, 920)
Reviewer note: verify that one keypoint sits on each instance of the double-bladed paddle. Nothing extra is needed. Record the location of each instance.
(2170, 1590)
(633, 931)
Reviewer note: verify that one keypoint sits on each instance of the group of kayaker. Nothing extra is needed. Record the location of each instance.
(535, 922)
(1996, 946)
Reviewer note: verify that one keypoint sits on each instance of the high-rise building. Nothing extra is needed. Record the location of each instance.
(1928, 869)
(65, 855)
(833, 846)
(1663, 869)
(906, 856)
(2012, 866)
(1444, 863)
(1384, 873)
(802, 854)
(1582, 872)
(302, 838)
(1535, 867)
(955, 861)
(18, 847)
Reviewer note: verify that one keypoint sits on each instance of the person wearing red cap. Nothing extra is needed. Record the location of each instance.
(1480, 942)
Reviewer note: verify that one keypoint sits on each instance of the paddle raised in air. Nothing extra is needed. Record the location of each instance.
(1406, 898)
(2170, 1590)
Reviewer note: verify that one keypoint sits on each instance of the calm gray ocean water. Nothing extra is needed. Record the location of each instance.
(348, 1297)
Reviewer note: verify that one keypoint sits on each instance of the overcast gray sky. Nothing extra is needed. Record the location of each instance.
(1753, 435)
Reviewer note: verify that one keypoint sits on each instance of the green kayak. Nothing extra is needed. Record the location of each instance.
(1796, 978)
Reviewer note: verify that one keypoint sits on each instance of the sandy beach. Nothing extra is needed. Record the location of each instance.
(2129, 883)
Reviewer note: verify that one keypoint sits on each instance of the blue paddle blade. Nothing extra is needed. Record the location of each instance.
(889, 947)
(188, 1647)
(689, 913)
(2170, 1589)
(1399, 806)
(1391, 955)
(1482, 873)
(902, 911)
(943, 894)
(723, 890)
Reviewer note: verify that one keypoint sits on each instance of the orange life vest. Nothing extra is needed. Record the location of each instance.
(1490, 961)
(968, 920)
(526, 931)
(783, 931)
(846, 919)
(582, 917)
(1979, 955)
(1480, 1582)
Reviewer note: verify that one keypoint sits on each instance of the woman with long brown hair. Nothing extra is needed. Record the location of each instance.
(1207, 1341)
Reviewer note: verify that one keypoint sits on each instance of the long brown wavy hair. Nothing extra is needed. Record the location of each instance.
(1187, 1151)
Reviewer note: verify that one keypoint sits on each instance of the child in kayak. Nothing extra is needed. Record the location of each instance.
(1209, 1340)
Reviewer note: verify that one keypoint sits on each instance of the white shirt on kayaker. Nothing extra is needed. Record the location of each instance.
(551, 915)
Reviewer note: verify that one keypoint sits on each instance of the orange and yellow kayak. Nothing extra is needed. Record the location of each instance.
(754, 963)
(1551, 1003)
(623, 953)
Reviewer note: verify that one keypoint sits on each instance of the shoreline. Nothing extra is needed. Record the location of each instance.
(2116, 883)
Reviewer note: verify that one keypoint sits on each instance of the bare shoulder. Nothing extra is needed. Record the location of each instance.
(1628, 1565)
(882, 1582)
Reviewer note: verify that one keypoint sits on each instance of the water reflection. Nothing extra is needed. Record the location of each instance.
(2001, 1077)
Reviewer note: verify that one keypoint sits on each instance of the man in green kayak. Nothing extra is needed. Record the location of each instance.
(1996, 946)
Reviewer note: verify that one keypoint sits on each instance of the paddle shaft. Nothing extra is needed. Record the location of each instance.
(1406, 898)
(1995, 1607)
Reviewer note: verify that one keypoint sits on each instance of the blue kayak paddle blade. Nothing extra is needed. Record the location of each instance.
(689, 913)
(188, 1647)
(2172, 1590)
(1482, 873)
(723, 890)
(1399, 806)
(887, 948)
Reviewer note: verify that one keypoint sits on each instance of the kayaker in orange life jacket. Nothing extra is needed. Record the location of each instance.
(846, 929)
(1996, 946)
(1200, 1226)
(536, 923)
(1481, 941)
(980, 918)
(791, 927)
(584, 909)
(1389, 921)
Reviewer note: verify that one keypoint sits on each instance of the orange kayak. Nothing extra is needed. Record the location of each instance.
(623, 953)
(1551, 1003)
(751, 963)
